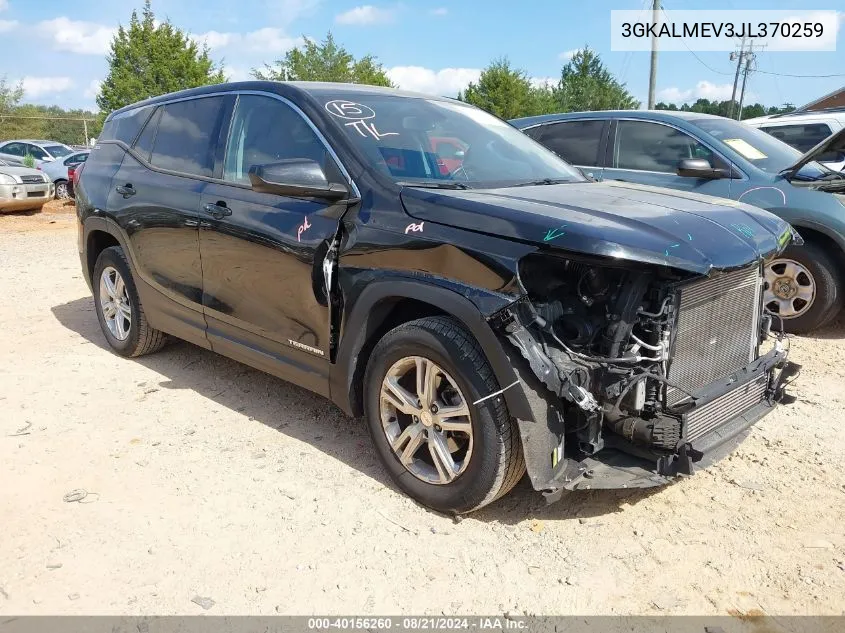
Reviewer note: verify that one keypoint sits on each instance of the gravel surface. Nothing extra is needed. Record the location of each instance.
(184, 483)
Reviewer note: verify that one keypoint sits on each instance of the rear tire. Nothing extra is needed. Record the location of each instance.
(818, 277)
(119, 309)
(488, 446)
(62, 190)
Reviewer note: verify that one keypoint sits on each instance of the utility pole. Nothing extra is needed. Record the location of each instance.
(738, 57)
(85, 124)
(749, 59)
(652, 76)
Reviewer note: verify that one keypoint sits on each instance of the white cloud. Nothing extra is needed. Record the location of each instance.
(7, 25)
(4, 4)
(702, 90)
(271, 40)
(439, 12)
(35, 87)
(266, 40)
(93, 89)
(215, 39)
(288, 11)
(87, 38)
(540, 82)
(365, 15)
(447, 82)
(238, 73)
(567, 55)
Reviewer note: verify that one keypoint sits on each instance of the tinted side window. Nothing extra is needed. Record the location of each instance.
(126, 125)
(15, 149)
(144, 144)
(36, 152)
(802, 137)
(187, 136)
(576, 142)
(649, 146)
(265, 130)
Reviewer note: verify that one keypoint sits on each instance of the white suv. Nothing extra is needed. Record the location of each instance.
(805, 130)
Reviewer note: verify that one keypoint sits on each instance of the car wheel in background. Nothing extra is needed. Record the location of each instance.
(62, 190)
(443, 450)
(119, 309)
(803, 288)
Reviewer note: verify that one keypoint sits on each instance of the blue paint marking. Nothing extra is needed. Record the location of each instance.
(672, 246)
(743, 229)
(689, 237)
(552, 234)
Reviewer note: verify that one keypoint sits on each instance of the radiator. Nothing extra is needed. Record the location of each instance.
(717, 330)
(701, 420)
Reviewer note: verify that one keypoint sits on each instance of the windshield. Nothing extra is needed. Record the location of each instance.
(58, 151)
(444, 143)
(760, 149)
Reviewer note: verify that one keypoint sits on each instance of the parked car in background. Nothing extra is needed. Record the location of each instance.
(23, 188)
(805, 130)
(73, 174)
(58, 171)
(41, 151)
(511, 314)
(716, 156)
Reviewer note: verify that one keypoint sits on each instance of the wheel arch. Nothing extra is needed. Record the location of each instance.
(383, 305)
(821, 236)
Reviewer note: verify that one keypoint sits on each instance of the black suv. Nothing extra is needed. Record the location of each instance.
(486, 313)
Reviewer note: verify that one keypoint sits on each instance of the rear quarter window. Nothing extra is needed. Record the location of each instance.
(125, 126)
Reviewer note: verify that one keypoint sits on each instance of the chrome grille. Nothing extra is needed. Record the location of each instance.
(716, 331)
(700, 421)
(32, 180)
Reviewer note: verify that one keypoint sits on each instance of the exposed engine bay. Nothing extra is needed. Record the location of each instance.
(648, 359)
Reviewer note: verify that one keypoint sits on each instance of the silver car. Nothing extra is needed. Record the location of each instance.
(41, 151)
(23, 188)
(57, 171)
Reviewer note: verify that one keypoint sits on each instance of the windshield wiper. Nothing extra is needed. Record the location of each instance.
(432, 185)
(543, 181)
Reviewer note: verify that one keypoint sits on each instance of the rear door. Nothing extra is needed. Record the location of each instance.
(262, 253)
(579, 142)
(155, 197)
(649, 152)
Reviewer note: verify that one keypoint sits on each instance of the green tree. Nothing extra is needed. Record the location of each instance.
(503, 91)
(147, 60)
(10, 96)
(324, 61)
(586, 84)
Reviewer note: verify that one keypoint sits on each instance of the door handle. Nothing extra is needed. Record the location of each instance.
(217, 210)
(125, 190)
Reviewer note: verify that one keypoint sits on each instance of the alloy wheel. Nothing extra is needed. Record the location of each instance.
(791, 288)
(426, 420)
(115, 304)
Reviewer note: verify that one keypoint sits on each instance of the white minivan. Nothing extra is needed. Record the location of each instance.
(805, 130)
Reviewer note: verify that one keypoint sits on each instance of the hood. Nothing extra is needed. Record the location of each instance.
(833, 143)
(612, 219)
(15, 170)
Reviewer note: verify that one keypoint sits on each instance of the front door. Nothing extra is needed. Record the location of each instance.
(649, 153)
(262, 253)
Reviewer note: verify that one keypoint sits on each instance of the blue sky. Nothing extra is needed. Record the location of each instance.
(57, 48)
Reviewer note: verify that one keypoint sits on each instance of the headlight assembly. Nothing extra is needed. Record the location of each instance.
(5, 179)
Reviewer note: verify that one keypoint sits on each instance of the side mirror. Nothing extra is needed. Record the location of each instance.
(700, 168)
(459, 153)
(295, 177)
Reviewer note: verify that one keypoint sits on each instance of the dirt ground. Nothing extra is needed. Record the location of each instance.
(208, 480)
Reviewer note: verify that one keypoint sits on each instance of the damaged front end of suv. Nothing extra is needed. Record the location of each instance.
(637, 373)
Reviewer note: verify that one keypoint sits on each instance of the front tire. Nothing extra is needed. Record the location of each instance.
(804, 288)
(441, 449)
(119, 309)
